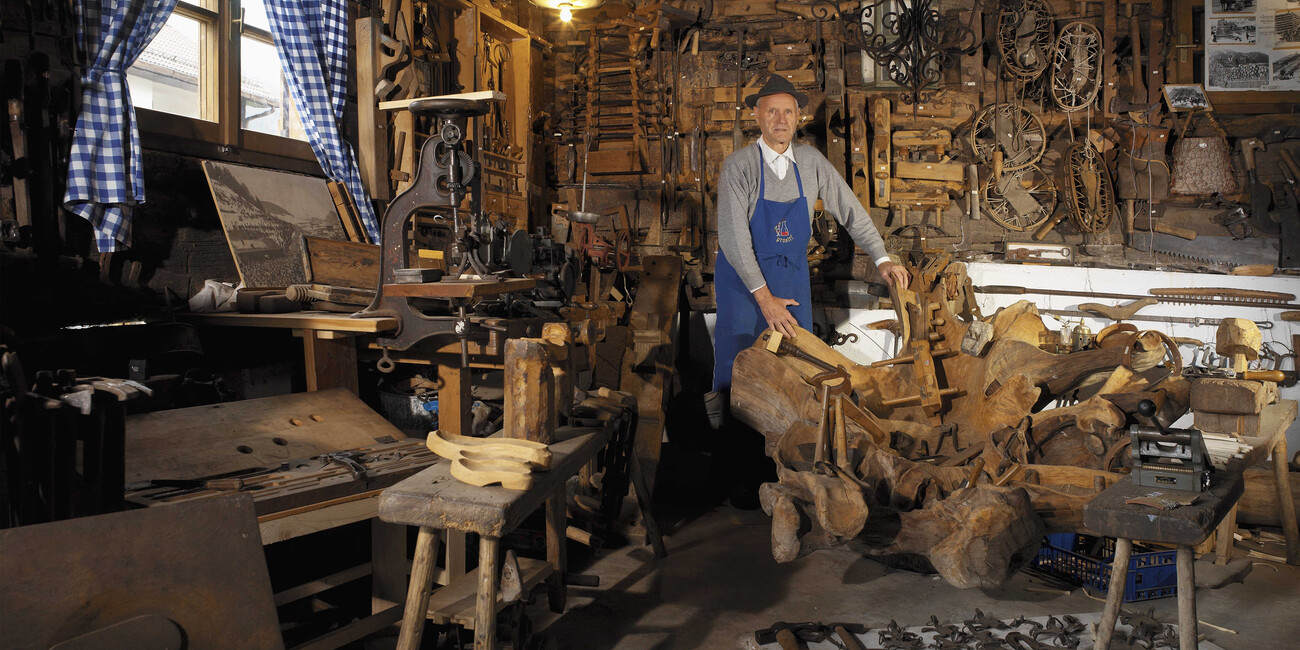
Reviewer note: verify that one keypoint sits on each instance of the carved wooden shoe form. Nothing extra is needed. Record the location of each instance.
(512, 475)
(452, 446)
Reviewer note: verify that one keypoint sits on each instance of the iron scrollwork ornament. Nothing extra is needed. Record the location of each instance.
(910, 39)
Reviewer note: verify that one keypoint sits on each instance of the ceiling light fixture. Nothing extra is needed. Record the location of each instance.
(567, 7)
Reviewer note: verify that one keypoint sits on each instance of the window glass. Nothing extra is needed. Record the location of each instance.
(255, 14)
(265, 105)
(167, 76)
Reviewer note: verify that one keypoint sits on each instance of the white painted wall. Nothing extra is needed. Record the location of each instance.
(876, 345)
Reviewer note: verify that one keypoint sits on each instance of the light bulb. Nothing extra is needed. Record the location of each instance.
(566, 12)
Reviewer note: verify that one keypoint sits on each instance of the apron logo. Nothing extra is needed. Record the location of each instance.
(783, 235)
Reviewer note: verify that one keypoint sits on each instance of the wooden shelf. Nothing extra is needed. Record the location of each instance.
(459, 288)
(302, 320)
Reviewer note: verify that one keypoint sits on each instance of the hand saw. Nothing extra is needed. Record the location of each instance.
(1211, 249)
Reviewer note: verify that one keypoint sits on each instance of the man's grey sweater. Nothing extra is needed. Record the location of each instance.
(738, 194)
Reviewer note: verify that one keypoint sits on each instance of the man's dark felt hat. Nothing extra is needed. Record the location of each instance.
(777, 85)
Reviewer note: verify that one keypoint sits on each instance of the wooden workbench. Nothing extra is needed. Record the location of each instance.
(328, 340)
(435, 501)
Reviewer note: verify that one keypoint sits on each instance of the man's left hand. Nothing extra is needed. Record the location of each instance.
(895, 275)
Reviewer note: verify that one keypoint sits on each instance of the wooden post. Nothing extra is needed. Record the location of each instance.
(387, 564)
(1157, 46)
(417, 596)
(1224, 537)
(329, 360)
(1118, 575)
(1109, 24)
(1186, 599)
(530, 391)
(485, 602)
(372, 125)
(556, 550)
(1285, 502)
(453, 399)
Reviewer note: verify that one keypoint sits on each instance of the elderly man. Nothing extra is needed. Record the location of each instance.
(766, 194)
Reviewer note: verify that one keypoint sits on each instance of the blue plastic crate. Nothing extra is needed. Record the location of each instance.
(1151, 574)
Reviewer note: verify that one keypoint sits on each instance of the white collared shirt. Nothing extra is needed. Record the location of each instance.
(779, 163)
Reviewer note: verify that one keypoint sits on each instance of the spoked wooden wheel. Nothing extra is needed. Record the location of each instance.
(1025, 38)
(1022, 201)
(1091, 194)
(1015, 131)
(1076, 66)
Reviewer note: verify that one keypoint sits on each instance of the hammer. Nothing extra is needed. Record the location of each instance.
(791, 636)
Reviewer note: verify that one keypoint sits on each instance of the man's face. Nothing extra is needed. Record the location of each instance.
(778, 116)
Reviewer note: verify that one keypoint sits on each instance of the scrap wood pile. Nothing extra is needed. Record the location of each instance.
(955, 455)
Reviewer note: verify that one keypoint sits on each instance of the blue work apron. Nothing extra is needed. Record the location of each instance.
(780, 232)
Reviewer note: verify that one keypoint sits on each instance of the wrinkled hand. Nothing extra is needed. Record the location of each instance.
(894, 274)
(776, 311)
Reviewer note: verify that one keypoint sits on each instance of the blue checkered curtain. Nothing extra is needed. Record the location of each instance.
(312, 39)
(105, 177)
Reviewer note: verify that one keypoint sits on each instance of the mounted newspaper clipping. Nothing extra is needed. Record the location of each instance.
(1252, 45)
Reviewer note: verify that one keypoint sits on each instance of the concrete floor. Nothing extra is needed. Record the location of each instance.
(720, 584)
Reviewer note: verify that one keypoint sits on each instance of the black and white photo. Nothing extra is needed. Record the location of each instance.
(1232, 6)
(1286, 70)
(1183, 98)
(1233, 30)
(1234, 69)
(1286, 27)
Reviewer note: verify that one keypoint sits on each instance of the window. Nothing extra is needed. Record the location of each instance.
(213, 74)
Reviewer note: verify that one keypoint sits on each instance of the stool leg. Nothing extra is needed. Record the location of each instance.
(556, 551)
(417, 594)
(1283, 486)
(1186, 599)
(485, 604)
(1223, 537)
(1118, 575)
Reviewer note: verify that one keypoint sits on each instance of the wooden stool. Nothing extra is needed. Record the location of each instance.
(435, 501)
(1184, 526)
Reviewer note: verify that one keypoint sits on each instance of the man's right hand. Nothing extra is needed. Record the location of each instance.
(776, 311)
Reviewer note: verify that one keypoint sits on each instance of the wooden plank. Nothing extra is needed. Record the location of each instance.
(204, 441)
(454, 603)
(613, 161)
(1109, 70)
(647, 379)
(938, 138)
(353, 631)
(459, 288)
(434, 498)
(305, 320)
(265, 214)
(326, 583)
(342, 263)
(199, 564)
(313, 519)
(347, 212)
(930, 171)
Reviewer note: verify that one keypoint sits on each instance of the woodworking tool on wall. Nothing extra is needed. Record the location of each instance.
(1260, 196)
(1190, 296)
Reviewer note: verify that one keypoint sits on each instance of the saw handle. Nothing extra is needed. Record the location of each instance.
(1157, 226)
(1248, 148)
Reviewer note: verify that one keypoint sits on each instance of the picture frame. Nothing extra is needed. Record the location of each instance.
(1186, 98)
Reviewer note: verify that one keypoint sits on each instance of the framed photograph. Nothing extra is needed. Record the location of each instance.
(1185, 98)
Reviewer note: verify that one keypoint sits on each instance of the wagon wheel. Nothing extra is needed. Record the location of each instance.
(1076, 66)
(1031, 181)
(1025, 50)
(1091, 195)
(1015, 131)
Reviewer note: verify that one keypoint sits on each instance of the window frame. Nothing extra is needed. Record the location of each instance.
(218, 134)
